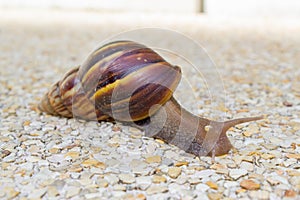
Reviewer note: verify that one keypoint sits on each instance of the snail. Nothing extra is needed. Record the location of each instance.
(126, 81)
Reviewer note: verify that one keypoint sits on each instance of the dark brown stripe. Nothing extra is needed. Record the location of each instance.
(115, 61)
(106, 50)
(57, 103)
(153, 88)
(74, 100)
(68, 82)
(126, 64)
(150, 94)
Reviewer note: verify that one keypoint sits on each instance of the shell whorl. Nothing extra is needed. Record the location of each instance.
(66, 98)
(123, 80)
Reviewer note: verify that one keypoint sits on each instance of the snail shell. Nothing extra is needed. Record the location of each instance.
(115, 77)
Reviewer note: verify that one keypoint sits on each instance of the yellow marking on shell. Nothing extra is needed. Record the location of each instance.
(109, 58)
(115, 84)
(128, 78)
(105, 89)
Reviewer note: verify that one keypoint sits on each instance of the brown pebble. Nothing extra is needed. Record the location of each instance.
(293, 155)
(5, 165)
(141, 196)
(75, 169)
(93, 163)
(294, 146)
(293, 173)
(72, 154)
(214, 196)
(290, 193)
(116, 128)
(242, 110)
(181, 163)
(212, 185)
(5, 153)
(267, 156)
(249, 185)
(158, 179)
(26, 123)
(54, 150)
(287, 104)
(102, 183)
(153, 159)
(241, 190)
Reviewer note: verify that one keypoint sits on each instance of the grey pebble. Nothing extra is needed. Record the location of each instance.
(237, 173)
(202, 187)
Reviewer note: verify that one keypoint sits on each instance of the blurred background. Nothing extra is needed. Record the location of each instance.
(262, 8)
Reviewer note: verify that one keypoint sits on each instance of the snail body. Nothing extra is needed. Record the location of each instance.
(128, 82)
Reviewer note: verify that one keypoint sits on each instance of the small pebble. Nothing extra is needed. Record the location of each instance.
(259, 194)
(127, 178)
(72, 154)
(181, 163)
(237, 173)
(93, 163)
(158, 179)
(153, 159)
(201, 187)
(214, 196)
(52, 191)
(111, 179)
(194, 181)
(72, 191)
(250, 185)
(174, 172)
(102, 183)
(156, 189)
(290, 193)
(119, 187)
(143, 182)
(212, 185)
(141, 197)
(273, 181)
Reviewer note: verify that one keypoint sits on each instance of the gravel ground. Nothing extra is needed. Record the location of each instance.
(47, 157)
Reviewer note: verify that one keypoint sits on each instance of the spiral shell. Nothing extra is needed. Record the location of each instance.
(123, 80)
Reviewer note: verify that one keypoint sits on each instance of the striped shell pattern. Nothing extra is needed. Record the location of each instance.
(122, 80)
